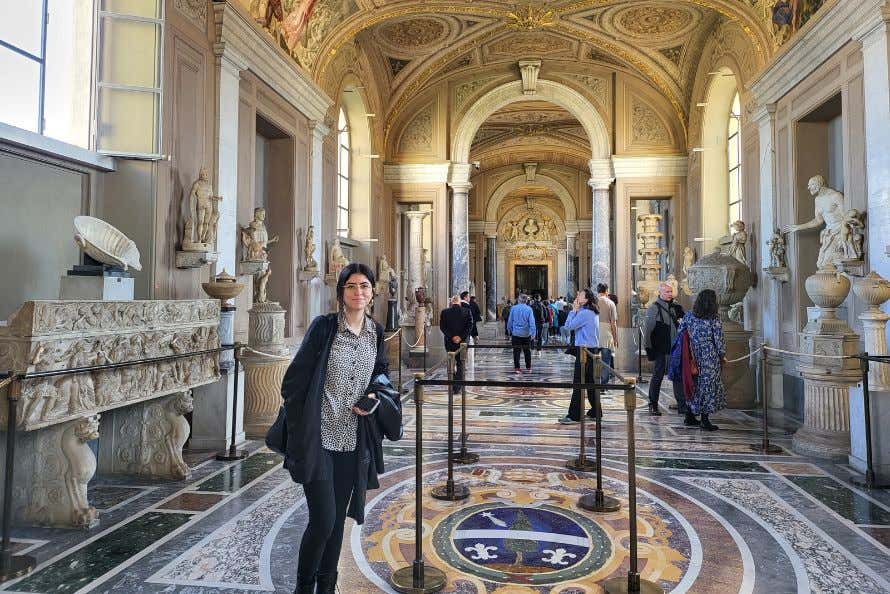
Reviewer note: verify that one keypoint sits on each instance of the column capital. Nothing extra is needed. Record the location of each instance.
(764, 114)
(417, 215)
(460, 187)
(318, 129)
(600, 184)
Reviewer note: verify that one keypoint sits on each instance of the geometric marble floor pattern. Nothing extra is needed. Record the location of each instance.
(713, 517)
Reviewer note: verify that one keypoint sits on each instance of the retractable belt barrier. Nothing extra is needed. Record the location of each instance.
(13, 566)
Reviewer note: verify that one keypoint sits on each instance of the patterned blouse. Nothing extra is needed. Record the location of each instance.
(349, 372)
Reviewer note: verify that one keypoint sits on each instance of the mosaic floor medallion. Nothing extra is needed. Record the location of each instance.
(533, 545)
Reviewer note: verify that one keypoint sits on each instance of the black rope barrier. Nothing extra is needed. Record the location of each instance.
(764, 447)
(869, 481)
(464, 456)
(598, 501)
(520, 384)
(632, 583)
(451, 491)
(418, 578)
(13, 566)
(507, 345)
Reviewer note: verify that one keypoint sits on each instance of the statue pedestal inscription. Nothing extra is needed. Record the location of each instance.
(263, 375)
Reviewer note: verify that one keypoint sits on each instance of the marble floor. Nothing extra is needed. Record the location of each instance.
(713, 516)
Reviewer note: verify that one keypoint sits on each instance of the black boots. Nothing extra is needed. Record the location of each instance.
(305, 586)
(326, 584)
(653, 410)
(706, 424)
(691, 421)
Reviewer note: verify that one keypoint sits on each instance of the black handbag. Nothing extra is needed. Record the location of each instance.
(276, 436)
(389, 412)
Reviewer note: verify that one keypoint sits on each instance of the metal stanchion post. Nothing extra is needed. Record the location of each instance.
(233, 453)
(631, 583)
(450, 491)
(464, 457)
(581, 463)
(640, 379)
(869, 480)
(418, 578)
(399, 361)
(599, 501)
(11, 566)
(425, 347)
(765, 446)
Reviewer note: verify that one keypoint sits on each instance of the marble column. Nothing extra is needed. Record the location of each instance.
(491, 285)
(228, 80)
(571, 279)
(460, 238)
(317, 292)
(415, 250)
(601, 245)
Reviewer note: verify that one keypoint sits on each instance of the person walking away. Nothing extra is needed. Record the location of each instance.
(608, 335)
(456, 324)
(584, 319)
(659, 332)
(708, 350)
(563, 316)
(538, 311)
(554, 320)
(333, 417)
(477, 316)
(505, 314)
(545, 326)
(522, 328)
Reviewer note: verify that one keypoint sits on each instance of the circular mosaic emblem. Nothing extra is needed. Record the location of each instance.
(535, 545)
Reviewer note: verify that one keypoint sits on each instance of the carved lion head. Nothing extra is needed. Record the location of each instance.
(87, 428)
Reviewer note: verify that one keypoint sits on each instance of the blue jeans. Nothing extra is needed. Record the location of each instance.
(609, 360)
(659, 368)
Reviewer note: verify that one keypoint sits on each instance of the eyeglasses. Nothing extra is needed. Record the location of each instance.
(357, 287)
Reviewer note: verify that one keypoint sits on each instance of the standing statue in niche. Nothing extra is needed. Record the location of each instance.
(841, 239)
(337, 260)
(309, 251)
(513, 231)
(734, 245)
(688, 259)
(255, 238)
(777, 250)
(199, 225)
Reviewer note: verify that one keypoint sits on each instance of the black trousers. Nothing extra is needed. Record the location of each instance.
(539, 336)
(659, 368)
(458, 362)
(327, 501)
(575, 405)
(522, 343)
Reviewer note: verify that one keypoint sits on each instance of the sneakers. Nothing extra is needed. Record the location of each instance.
(517, 371)
(567, 420)
(528, 369)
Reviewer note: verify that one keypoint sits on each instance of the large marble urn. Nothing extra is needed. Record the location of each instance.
(730, 280)
(726, 276)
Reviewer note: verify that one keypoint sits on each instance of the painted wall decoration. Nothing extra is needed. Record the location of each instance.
(786, 17)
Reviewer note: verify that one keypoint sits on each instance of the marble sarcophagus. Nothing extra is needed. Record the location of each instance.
(141, 406)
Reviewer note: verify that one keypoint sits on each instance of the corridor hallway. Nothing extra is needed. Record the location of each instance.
(713, 517)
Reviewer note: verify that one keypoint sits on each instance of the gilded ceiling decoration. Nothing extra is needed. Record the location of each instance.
(530, 18)
(413, 34)
(539, 44)
(673, 53)
(653, 22)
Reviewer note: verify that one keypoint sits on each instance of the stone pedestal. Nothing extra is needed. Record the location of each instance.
(98, 288)
(195, 259)
(826, 429)
(227, 336)
(880, 439)
(875, 291)
(738, 378)
(262, 392)
(146, 439)
(211, 419)
(393, 355)
(775, 381)
(52, 469)
(419, 341)
(266, 330)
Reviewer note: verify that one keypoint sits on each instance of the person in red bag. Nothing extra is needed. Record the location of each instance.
(706, 358)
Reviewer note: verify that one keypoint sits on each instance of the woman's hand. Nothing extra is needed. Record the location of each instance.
(359, 411)
(576, 304)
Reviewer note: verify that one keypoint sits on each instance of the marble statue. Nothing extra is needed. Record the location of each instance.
(81, 468)
(337, 260)
(261, 281)
(385, 276)
(513, 231)
(734, 245)
(688, 259)
(255, 238)
(544, 234)
(737, 313)
(177, 433)
(777, 250)
(309, 251)
(841, 239)
(199, 226)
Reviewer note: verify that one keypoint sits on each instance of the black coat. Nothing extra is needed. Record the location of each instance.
(303, 390)
(455, 321)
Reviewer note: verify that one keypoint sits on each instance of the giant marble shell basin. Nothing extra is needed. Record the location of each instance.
(105, 243)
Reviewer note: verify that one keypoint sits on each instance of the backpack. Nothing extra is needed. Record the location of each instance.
(538, 312)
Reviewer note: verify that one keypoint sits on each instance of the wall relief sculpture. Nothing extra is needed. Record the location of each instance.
(647, 126)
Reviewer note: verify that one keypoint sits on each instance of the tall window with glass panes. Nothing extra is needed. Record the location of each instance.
(734, 148)
(344, 156)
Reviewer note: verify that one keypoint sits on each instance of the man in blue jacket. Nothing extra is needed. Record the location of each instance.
(522, 331)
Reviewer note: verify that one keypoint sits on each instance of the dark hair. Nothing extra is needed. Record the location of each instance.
(705, 305)
(591, 301)
(602, 288)
(614, 298)
(349, 270)
(537, 296)
(463, 294)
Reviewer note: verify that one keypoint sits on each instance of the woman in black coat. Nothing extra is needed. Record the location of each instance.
(338, 405)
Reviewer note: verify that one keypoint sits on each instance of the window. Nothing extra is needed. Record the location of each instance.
(344, 155)
(734, 149)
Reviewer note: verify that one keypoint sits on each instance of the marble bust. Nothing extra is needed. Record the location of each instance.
(199, 225)
(255, 238)
(841, 239)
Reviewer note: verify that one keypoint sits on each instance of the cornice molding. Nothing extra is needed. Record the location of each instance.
(239, 42)
(416, 173)
(844, 21)
(656, 166)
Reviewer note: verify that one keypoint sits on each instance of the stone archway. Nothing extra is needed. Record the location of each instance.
(514, 183)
